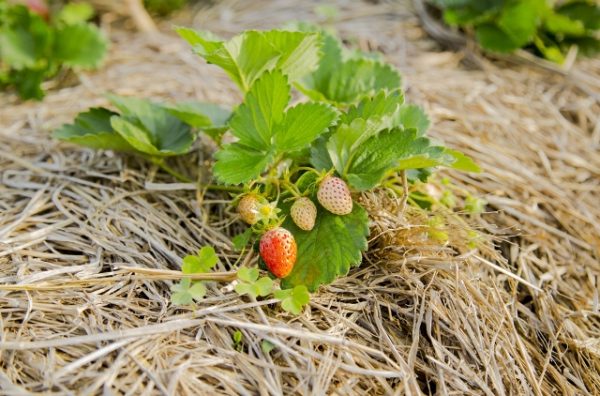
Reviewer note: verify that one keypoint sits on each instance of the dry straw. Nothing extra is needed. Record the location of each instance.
(520, 316)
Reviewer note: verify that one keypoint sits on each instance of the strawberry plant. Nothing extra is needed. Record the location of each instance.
(36, 45)
(152, 130)
(549, 28)
(297, 164)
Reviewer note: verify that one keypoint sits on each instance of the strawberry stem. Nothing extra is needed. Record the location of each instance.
(162, 164)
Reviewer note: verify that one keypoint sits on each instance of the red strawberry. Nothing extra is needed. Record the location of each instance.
(304, 213)
(334, 195)
(278, 250)
(248, 208)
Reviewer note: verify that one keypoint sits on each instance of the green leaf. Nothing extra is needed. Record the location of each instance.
(361, 122)
(250, 284)
(208, 256)
(413, 117)
(334, 245)
(380, 154)
(319, 155)
(343, 82)
(247, 56)
(307, 182)
(434, 157)
(266, 346)
(136, 136)
(81, 45)
(197, 291)
(469, 12)
(240, 241)
(293, 300)
(303, 123)
(237, 337)
(244, 58)
(587, 12)
(254, 121)
(199, 114)
(330, 61)
(150, 128)
(264, 286)
(562, 24)
(202, 42)
(588, 46)
(462, 162)
(299, 51)
(384, 105)
(264, 129)
(203, 262)
(344, 142)
(93, 129)
(237, 163)
(520, 19)
(353, 80)
(493, 38)
(249, 275)
(25, 39)
(245, 288)
(185, 292)
(75, 13)
(29, 82)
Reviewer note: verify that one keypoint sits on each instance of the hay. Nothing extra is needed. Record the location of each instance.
(415, 318)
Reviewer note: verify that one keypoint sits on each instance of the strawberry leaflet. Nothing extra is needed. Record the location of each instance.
(333, 246)
(266, 130)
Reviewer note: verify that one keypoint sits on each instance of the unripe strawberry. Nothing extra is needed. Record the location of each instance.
(278, 251)
(334, 195)
(248, 208)
(304, 213)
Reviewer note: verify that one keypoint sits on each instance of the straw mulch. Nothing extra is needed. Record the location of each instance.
(521, 316)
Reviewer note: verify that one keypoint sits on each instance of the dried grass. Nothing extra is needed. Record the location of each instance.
(415, 318)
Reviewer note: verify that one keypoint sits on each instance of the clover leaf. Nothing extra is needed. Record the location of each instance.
(293, 300)
(185, 292)
(202, 262)
(251, 284)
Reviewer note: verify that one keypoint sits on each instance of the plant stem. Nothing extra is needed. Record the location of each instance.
(292, 189)
(170, 274)
(404, 190)
(162, 164)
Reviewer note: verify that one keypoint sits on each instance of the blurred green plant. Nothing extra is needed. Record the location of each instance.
(548, 28)
(164, 7)
(36, 45)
